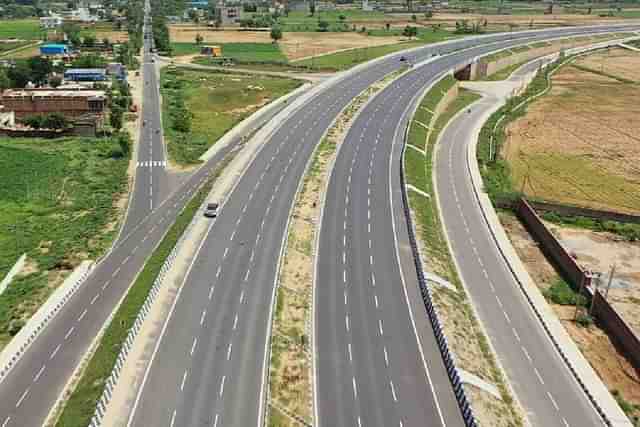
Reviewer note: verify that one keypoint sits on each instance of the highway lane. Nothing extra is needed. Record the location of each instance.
(369, 367)
(208, 365)
(30, 389)
(540, 378)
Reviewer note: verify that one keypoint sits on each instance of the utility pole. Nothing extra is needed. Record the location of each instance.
(575, 315)
(613, 270)
(598, 280)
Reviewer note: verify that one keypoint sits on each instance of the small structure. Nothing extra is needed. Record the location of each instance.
(227, 14)
(85, 74)
(117, 70)
(50, 22)
(70, 103)
(7, 118)
(211, 51)
(54, 49)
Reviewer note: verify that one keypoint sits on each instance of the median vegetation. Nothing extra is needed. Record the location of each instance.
(464, 334)
(82, 402)
(291, 371)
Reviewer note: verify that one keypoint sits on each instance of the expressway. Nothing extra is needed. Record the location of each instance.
(370, 368)
(208, 365)
(548, 391)
(30, 389)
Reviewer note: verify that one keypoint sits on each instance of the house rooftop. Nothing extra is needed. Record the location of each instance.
(50, 93)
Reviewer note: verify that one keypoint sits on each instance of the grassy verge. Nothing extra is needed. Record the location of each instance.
(343, 60)
(57, 198)
(290, 372)
(463, 332)
(199, 107)
(505, 73)
(82, 403)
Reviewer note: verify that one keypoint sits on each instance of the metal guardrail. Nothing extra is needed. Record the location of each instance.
(447, 356)
(127, 345)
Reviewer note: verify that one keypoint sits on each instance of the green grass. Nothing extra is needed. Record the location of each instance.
(418, 172)
(562, 294)
(57, 199)
(217, 102)
(344, 60)
(82, 403)
(505, 73)
(7, 46)
(26, 29)
(238, 52)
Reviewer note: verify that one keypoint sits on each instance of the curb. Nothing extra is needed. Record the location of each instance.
(127, 344)
(39, 320)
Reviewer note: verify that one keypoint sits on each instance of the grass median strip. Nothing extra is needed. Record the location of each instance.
(464, 334)
(290, 373)
(82, 402)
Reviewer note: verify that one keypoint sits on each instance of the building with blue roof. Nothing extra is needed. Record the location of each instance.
(85, 74)
(54, 49)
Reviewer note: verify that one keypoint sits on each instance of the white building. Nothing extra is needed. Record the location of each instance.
(49, 22)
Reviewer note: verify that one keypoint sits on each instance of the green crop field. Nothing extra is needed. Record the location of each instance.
(7, 46)
(239, 52)
(25, 29)
(215, 102)
(57, 198)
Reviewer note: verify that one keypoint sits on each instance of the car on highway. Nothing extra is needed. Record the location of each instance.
(211, 210)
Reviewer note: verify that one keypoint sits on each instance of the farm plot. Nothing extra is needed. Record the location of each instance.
(579, 144)
(200, 107)
(61, 203)
(21, 29)
(294, 45)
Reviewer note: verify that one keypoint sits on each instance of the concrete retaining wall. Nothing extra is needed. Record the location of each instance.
(11, 274)
(617, 329)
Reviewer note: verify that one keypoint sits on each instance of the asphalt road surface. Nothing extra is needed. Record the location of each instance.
(370, 367)
(29, 391)
(541, 380)
(209, 365)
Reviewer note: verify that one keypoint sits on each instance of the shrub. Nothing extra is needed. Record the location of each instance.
(562, 294)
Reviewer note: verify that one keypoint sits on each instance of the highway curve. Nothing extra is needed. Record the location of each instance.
(209, 365)
(370, 367)
(548, 391)
(29, 391)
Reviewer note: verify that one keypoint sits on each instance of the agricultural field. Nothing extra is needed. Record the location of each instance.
(21, 29)
(105, 30)
(9, 46)
(294, 45)
(200, 107)
(239, 52)
(578, 144)
(62, 200)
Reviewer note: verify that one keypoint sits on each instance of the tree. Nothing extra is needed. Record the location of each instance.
(89, 61)
(428, 14)
(106, 42)
(199, 39)
(414, 18)
(34, 122)
(40, 69)
(115, 118)
(124, 141)
(410, 31)
(276, 34)
(387, 26)
(20, 74)
(323, 25)
(312, 8)
(89, 40)
(5, 81)
(55, 81)
(55, 121)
